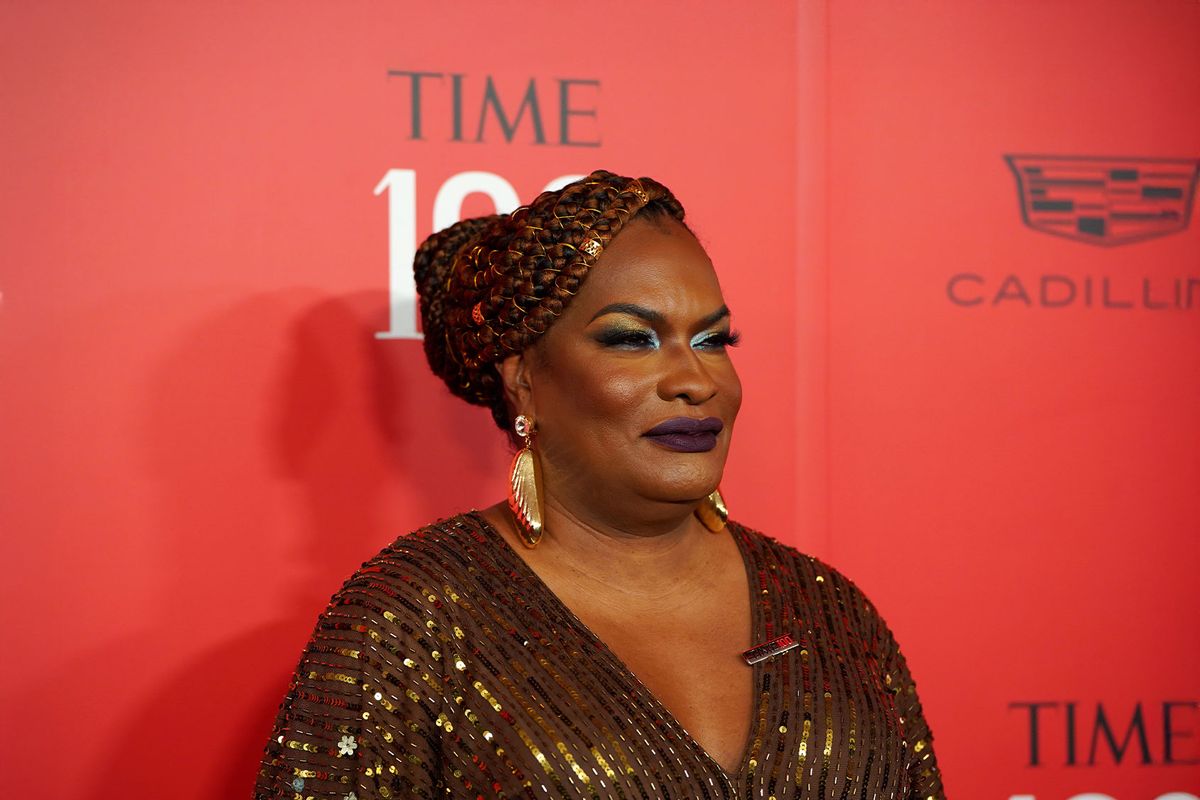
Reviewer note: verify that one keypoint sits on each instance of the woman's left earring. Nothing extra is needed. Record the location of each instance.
(525, 494)
(713, 512)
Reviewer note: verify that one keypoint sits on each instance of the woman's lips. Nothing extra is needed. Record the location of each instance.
(686, 435)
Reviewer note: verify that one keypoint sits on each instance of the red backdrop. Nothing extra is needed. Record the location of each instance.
(204, 227)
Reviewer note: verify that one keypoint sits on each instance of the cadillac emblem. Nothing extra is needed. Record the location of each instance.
(1105, 200)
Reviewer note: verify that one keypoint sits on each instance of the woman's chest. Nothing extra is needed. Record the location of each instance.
(689, 660)
(543, 701)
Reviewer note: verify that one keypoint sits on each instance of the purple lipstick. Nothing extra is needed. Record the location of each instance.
(686, 435)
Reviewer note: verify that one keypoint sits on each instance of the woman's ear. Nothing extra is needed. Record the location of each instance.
(518, 389)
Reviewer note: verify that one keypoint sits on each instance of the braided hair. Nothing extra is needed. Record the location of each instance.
(490, 286)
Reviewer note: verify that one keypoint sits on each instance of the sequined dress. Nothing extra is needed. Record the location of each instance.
(446, 668)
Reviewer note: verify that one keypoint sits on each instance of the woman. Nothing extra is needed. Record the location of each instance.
(603, 633)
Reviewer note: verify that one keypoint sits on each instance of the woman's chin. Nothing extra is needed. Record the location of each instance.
(684, 492)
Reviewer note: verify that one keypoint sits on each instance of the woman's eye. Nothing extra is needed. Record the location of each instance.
(717, 341)
(628, 339)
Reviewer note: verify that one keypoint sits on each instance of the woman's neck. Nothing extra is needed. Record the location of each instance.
(661, 559)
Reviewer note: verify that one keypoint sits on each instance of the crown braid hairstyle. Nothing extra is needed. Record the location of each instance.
(490, 286)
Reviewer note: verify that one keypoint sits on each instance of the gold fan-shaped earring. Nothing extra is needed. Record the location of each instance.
(525, 494)
(713, 512)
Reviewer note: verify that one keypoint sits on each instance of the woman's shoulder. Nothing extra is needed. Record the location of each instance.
(431, 566)
(811, 576)
(438, 541)
(779, 555)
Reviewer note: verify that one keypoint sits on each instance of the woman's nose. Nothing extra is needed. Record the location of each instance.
(685, 376)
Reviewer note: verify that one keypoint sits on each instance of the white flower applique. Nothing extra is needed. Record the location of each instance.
(347, 746)
(351, 796)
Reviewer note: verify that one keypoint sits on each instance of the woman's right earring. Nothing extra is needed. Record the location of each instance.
(525, 494)
(713, 512)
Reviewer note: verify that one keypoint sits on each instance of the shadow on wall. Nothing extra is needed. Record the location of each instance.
(287, 445)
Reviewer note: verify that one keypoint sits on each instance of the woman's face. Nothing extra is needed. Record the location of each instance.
(632, 389)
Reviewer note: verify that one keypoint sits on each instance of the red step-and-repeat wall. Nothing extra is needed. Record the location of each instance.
(958, 237)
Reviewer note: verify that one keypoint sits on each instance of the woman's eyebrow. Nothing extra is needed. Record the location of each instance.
(648, 314)
(720, 314)
(652, 316)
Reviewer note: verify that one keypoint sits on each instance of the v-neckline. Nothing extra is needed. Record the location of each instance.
(757, 634)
